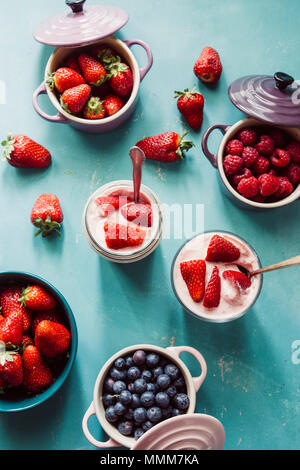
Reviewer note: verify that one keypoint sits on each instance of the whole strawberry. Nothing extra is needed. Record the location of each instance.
(50, 315)
(208, 67)
(11, 368)
(47, 215)
(72, 63)
(94, 109)
(121, 80)
(112, 104)
(23, 152)
(9, 303)
(165, 147)
(37, 375)
(37, 298)
(11, 328)
(193, 273)
(93, 71)
(190, 104)
(64, 78)
(74, 99)
(51, 338)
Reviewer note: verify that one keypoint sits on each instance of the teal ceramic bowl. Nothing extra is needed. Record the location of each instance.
(8, 405)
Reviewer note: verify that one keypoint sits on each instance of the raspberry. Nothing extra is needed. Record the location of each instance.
(293, 173)
(232, 164)
(265, 145)
(279, 137)
(249, 155)
(247, 136)
(280, 158)
(285, 188)
(268, 184)
(244, 173)
(261, 165)
(272, 172)
(294, 150)
(248, 187)
(234, 147)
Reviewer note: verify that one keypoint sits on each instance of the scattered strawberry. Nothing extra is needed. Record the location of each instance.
(9, 302)
(220, 249)
(248, 187)
(50, 315)
(261, 165)
(140, 214)
(119, 236)
(247, 136)
(93, 71)
(37, 298)
(208, 67)
(293, 173)
(294, 150)
(11, 328)
(74, 99)
(268, 184)
(165, 147)
(280, 158)
(265, 146)
(232, 164)
(11, 369)
(249, 156)
(121, 80)
(94, 109)
(37, 375)
(234, 147)
(243, 173)
(112, 104)
(238, 278)
(213, 290)
(193, 273)
(285, 188)
(190, 104)
(72, 63)
(47, 215)
(64, 78)
(23, 152)
(51, 338)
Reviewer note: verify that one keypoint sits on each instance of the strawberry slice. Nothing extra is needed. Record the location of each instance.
(108, 204)
(193, 273)
(213, 290)
(119, 236)
(238, 278)
(221, 249)
(140, 214)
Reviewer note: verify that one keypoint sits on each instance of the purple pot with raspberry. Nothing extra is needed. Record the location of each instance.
(258, 160)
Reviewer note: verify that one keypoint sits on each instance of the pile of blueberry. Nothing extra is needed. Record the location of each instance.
(142, 390)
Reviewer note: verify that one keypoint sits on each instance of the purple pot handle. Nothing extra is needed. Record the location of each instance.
(211, 157)
(42, 90)
(146, 69)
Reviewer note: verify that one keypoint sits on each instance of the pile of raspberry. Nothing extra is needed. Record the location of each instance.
(263, 164)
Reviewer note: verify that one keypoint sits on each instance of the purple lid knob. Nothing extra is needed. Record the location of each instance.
(283, 80)
(76, 5)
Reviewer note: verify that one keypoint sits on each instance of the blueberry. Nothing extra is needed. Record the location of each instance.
(119, 408)
(139, 357)
(139, 415)
(167, 412)
(129, 361)
(157, 371)
(117, 374)
(179, 383)
(163, 381)
(125, 397)
(181, 401)
(147, 425)
(152, 360)
(108, 385)
(125, 428)
(140, 386)
(135, 401)
(108, 400)
(172, 371)
(120, 363)
(171, 391)
(133, 373)
(154, 414)
(138, 433)
(147, 399)
(129, 414)
(119, 386)
(162, 399)
(152, 388)
(111, 415)
(176, 412)
(146, 375)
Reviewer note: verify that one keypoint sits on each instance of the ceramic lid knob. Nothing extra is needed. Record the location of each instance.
(283, 80)
(75, 5)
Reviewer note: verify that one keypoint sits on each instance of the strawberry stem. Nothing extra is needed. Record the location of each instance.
(8, 145)
(184, 145)
(46, 227)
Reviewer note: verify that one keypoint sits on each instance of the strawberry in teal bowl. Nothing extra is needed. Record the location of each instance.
(38, 341)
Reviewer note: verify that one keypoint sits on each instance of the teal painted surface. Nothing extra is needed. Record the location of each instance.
(252, 384)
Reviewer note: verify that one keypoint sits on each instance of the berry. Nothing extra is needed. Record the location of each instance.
(193, 273)
(247, 136)
(147, 425)
(138, 433)
(294, 150)
(163, 381)
(72, 63)
(23, 152)
(125, 428)
(119, 386)
(280, 158)
(47, 215)
(265, 146)
(268, 184)
(135, 401)
(152, 360)
(171, 391)
(117, 374)
(9, 303)
(279, 137)
(109, 384)
(130, 387)
(11, 369)
(140, 386)
(111, 415)
(125, 397)
(162, 399)
(139, 213)
(285, 188)
(190, 104)
(172, 371)
(154, 414)
(238, 278)
(176, 412)
(11, 328)
(181, 401)
(146, 375)
(133, 373)
(157, 371)
(120, 363)
(74, 99)
(121, 80)
(139, 357)
(213, 291)
(112, 104)
(208, 67)
(167, 412)
(94, 109)
(120, 409)
(151, 387)
(179, 383)
(93, 71)
(293, 173)
(147, 399)
(261, 165)
(129, 361)
(221, 249)
(119, 236)
(64, 78)
(37, 298)
(232, 164)
(108, 204)
(37, 375)
(140, 415)
(129, 414)
(165, 147)
(249, 156)
(52, 339)
(109, 400)
(248, 187)
(243, 173)
(234, 147)
(50, 315)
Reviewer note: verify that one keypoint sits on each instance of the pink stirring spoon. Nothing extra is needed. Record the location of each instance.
(282, 264)
(138, 158)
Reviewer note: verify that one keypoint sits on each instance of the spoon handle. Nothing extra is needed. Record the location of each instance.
(138, 158)
(282, 264)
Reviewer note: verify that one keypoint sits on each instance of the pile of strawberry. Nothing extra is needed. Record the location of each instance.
(94, 84)
(194, 273)
(35, 338)
(263, 164)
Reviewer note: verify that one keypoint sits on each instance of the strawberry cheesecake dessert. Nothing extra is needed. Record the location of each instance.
(210, 276)
(118, 228)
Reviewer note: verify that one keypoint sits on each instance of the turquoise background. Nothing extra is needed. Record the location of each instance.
(252, 385)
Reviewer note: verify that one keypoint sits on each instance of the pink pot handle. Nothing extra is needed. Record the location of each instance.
(42, 90)
(104, 445)
(211, 157)
(177, 350)
(146, 69)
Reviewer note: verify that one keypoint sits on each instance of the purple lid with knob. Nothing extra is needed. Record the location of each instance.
(80, 25)
(272, 99)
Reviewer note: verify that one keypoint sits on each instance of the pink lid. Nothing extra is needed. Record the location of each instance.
(185, 432)
(272, 99)
(82, 25)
